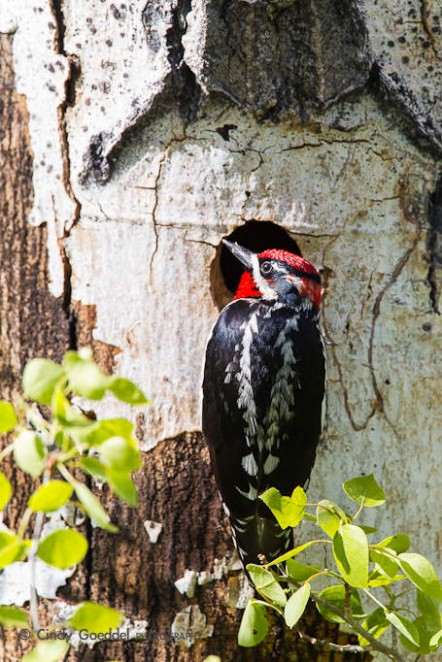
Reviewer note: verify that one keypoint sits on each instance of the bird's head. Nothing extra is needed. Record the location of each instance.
(276, 275)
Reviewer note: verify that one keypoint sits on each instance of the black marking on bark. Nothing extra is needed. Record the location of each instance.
(96, 162)
(224, 131)
(434, 245)
(186, 87)
(69, 99)
(388, 87)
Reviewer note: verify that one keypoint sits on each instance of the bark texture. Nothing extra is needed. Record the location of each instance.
(32, 322)
(136, 135)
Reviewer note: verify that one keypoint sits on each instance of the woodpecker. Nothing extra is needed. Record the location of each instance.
(262, 393)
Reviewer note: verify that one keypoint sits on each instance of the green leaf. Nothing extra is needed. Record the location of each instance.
(66, 415)
(365, 491)
(300, 572)
(107, 428)
(40, 378)
(399, 543)
(335, 595)
(429, 608)
(63, 548)
(289, 511)
(126, 391)
(296, 605)
(426, 634)
(95, 618)
(85, 377)
(8, 417)
(330, 517)
(404, 626)
(47, 651)
(120, 454)
(13, 616)
(384, 561)
(254, 625)
(375, 624)
(436, 640)
(422, 574)
(12, 548)
(379, 578)
(293, 552)
(29, 453)
(266, 584)
(5, 490)
(350, 550)
(94, 467)
(123, 486)
(93, 507)
(51, 496)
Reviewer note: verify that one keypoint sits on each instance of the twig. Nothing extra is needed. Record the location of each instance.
(347, 602)
(328, 645)
(391, 653)
(36, 535)
(33, 602)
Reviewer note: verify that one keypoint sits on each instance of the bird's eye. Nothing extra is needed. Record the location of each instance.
(266, 268)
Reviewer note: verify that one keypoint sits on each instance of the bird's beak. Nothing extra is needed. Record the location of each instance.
(242, 254)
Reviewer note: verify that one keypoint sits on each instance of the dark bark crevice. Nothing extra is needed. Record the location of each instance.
(434, 247)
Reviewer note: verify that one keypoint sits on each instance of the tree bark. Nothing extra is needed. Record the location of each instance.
(134, 136)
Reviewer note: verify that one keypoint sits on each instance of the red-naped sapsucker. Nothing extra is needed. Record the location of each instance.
(263, 390)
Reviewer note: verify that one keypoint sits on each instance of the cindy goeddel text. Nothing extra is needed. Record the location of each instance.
(64, 634)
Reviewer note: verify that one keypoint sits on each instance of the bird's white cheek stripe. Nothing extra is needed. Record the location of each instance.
(267, 293)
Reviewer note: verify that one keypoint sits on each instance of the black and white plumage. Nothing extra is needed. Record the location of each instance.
(263, 390)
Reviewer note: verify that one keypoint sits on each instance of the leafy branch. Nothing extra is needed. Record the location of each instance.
(361, 571)
(58, 445)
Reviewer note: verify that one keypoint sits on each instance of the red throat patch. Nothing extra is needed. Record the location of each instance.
(247, 287)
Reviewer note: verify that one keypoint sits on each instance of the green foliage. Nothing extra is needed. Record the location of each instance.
(8, 418)
(47, 651)
(289, 511)
(296, 604)
(254, 624)
(95, 618)
(365, 491)
(5, 491)
(13, 617)
(363, 576)
(50, 438)
(63, 548)
(30, 453)
(350, 549)
(51, 496)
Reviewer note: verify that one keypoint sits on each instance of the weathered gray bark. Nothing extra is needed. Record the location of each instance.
(152, 130)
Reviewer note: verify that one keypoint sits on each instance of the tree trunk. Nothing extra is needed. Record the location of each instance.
(134, 136)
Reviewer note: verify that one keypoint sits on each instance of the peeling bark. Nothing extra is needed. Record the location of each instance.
(32, 321)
